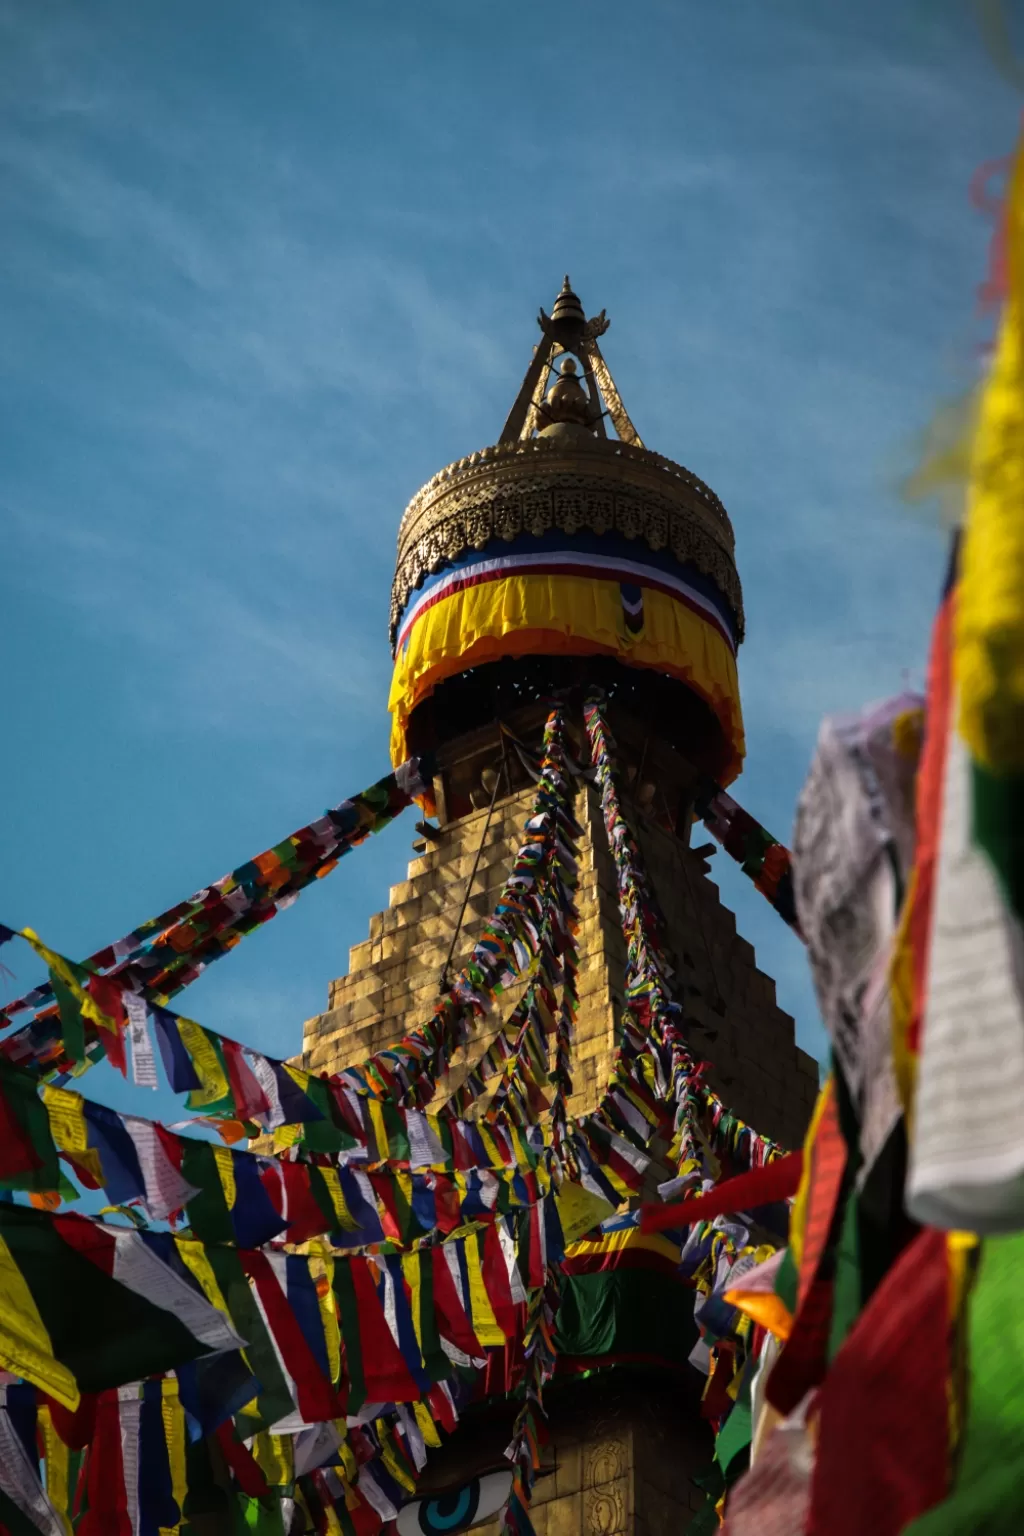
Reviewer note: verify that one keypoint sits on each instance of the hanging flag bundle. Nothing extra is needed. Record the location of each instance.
(958, 999)
(886, 1331)
(540, 1360)
(540, 885)
(653, 1067)
(166, 953)
(760, 855)
(521, 1050)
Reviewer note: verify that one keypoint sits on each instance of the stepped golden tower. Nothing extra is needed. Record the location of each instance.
(569, 556)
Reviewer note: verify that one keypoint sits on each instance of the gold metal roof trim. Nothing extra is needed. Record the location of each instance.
(571, 476)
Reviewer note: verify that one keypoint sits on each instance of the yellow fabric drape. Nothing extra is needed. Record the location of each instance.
(539, 614)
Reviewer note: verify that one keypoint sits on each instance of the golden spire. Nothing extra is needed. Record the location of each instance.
(567, 329)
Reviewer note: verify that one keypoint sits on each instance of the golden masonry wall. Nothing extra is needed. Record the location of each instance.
(730, 1005)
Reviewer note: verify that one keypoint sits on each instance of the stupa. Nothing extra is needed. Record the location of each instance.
(566, 557)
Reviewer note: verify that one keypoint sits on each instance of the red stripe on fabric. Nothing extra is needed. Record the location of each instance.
(243, 1464)
(455, 1325)
(497, 1285)
(440, 1406)
(609, 1158)
(759, 1186)
(386, 1376)
(716, 1402)
(305, 1218)
(463, 1156)
(88, 1239)
(250, 1100)
(387, 1205)
(108, 995)
(317, 1399)
(883, 1428)
(75, 1429)
(447, 1207)
(930, 779)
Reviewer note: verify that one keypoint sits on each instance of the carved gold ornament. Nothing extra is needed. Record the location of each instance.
(536, 485)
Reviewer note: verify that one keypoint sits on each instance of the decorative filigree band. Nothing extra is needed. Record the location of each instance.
(502, 493)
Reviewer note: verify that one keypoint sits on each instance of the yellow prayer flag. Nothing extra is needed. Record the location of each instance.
(485, 1324)
(88, 1004)
(26, 1348)
(226, 1173)
(346, 1221)
(174, 1434)
(988, 620)
(214, 1083)
(428, 1429)
(56, 1462)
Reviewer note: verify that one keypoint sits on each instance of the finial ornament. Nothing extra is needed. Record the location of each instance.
(567, 400)
(567, 329)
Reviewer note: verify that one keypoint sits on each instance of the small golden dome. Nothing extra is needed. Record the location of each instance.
(567, 400)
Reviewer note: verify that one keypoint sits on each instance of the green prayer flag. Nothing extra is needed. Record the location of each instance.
(208, 1212)
(21, 1096)
(988, 1490)
(435, 1360)
(786, 1281)
(348, 1312)
(260, 1517)
(732, 1446)
(997, 806)
(846, 1296)
(609, 1313)
(274, 1399)
(71, 1020)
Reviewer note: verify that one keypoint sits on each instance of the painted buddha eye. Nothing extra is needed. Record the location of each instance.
(458, 1509)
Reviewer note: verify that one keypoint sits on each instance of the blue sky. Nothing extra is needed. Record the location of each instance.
(265, 268)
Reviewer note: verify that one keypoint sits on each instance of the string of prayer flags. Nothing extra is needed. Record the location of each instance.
(231, 1195)
(761, 856)
(652, 1060)
(539, 885)
(165, 953)
(138, 1298)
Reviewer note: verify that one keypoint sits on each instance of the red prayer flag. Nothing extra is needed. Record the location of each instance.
(454, 1323)
(107, 1514)
(883, 1427)
(386, 1375)
(759, 1186)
